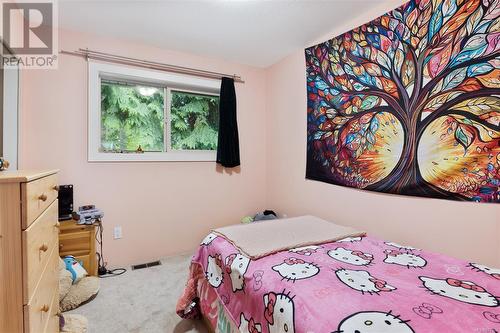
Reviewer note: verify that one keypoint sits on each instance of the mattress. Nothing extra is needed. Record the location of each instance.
(356, 284)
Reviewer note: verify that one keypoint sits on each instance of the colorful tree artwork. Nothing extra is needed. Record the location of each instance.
(410, 102)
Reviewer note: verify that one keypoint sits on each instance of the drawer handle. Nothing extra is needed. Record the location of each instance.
(44, 248)
(55, 188)
(42, 197)
(45, 308)
(57, 225)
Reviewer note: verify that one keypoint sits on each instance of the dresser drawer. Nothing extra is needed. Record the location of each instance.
(39, 311)
(53, 320)
(39, 240)
(36, 196)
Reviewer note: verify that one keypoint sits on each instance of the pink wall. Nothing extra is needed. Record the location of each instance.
(466, 230)
(164, 208)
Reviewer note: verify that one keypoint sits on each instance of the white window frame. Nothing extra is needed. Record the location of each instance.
(170, 81)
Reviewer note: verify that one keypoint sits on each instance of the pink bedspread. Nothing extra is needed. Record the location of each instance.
(356, 285)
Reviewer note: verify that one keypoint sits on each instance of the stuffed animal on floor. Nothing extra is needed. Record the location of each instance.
(73, 323)
(72, 295)
(75, 268)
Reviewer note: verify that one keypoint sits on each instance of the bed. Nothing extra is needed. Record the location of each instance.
(351, 284)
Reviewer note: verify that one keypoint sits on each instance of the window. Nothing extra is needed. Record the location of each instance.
(194, 120)
(145, 115)
(132, 117)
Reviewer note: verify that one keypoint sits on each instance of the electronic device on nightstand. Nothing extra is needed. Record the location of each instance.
(65, 202)
(88, 214)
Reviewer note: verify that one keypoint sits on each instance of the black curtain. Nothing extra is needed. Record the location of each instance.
(228, 145)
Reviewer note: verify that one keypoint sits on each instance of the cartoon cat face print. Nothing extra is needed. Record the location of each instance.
(347, 256)
(493, 272)
(293, 269)
(374, 322)
(279, 313)
(236, 267)
(350, 240)
(362, 281)
(208, 239)
(248, 326)
(401, 247)
(214, 270)
(463, 291)
(305, 250)
(404, 259)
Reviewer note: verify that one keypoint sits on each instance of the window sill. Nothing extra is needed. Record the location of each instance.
(177, 156)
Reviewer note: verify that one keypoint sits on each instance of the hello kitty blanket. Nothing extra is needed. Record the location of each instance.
(356, 284)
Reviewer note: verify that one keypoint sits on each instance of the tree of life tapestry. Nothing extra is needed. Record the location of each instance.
(410, 103)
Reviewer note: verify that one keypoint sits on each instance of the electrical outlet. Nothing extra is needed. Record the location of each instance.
(117, 232)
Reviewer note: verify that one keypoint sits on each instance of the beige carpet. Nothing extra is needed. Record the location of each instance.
(141, 301)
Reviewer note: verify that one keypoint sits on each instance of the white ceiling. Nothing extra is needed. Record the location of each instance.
(252, 32)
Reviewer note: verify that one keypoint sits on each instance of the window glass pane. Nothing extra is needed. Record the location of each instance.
(131, 116)
(194, 121)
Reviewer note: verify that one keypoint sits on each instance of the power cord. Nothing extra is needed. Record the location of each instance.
(102, 271)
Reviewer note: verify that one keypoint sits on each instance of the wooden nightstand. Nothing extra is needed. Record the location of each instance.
(78, 240)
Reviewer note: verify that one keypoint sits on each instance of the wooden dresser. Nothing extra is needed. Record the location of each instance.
(29, 252)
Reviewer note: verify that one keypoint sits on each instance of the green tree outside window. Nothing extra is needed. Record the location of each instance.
(194, 121)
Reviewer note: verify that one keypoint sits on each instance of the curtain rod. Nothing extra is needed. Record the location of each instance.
(108, 57)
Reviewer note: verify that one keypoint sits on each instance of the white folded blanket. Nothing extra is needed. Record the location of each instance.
(259, 239)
